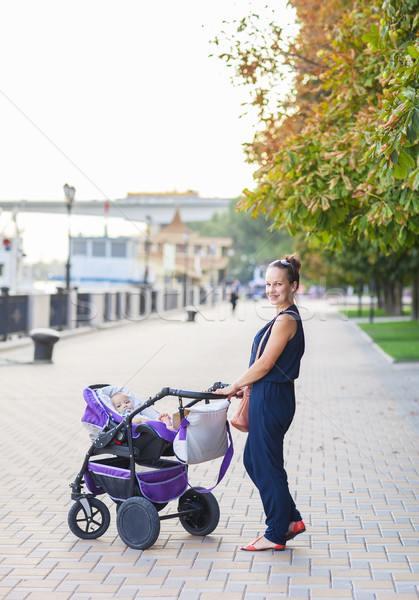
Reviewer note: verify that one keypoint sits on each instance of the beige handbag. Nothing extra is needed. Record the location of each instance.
(241, 418)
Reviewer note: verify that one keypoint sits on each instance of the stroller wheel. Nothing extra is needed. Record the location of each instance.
(89, 518)
(138, 523)
(204, 512)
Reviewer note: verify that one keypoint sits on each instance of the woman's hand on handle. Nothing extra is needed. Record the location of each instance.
(230, 391)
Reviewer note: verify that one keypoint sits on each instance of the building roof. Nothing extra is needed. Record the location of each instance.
(176, 225)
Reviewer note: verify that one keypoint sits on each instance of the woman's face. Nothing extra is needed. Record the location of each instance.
(278, 289)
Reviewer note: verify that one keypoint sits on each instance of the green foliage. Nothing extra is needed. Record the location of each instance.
(395, 139)
(364, 262)
(350, 172)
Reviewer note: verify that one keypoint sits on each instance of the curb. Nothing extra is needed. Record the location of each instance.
(388, 358)
(367, 338)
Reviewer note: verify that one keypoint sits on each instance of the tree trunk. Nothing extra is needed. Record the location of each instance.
(360, 290)
(388, 287)
(415, 299)
(398, 295)
(379, 294)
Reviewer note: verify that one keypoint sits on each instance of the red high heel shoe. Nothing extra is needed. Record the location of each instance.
(251, 547)
(298, 528)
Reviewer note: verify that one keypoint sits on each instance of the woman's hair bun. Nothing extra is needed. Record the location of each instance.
(294, 260)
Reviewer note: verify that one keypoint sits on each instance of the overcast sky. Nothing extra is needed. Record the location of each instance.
(118, 96)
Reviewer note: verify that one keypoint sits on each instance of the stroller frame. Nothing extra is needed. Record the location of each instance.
(138, 521)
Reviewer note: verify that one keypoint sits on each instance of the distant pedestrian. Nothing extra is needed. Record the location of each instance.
(279, 346)
(234, 295)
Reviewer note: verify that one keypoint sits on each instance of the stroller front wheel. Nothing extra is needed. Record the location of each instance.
(204, 512)
(89, 518)
(138, 523)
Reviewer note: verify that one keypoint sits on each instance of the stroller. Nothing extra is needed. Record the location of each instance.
(140, 494)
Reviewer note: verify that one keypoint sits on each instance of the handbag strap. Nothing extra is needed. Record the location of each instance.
(293, 312)
(224, 464)
(263, 338)
(286, 311)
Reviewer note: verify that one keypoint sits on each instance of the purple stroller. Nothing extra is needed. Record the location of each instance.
(139, 495)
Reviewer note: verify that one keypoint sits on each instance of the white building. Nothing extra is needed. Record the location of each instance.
(105, 261)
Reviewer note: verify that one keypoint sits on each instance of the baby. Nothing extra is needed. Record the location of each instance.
(124, 406)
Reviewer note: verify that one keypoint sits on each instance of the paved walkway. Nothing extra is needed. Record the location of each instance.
(352, 459)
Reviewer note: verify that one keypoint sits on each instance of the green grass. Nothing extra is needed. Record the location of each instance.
(353, 313)
(399, 339)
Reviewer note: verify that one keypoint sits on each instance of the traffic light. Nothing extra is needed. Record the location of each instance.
(7, 244)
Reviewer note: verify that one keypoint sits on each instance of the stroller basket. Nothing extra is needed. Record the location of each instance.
(163, 485)
(141, 494)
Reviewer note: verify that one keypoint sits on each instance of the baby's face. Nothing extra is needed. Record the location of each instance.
(121, 402)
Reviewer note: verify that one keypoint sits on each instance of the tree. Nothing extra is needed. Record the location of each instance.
(399, 130)
(363, 264)
(264, 58)
(332, 165)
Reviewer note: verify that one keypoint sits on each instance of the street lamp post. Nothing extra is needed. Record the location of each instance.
(372, 293)
(69, 193)
(147, 248)
(185, 278)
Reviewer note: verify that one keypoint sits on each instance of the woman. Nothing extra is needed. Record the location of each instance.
(272, 405)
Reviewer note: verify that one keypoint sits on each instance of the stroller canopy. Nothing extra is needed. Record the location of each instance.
(100, 409)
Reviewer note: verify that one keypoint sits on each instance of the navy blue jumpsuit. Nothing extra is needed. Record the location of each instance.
(271, 410)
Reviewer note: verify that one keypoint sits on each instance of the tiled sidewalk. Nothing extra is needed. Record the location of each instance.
(352, 460)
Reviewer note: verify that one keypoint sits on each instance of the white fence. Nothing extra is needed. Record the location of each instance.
(68, 310)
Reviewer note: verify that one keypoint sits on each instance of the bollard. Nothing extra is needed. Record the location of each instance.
(44, 340)
(191, 313)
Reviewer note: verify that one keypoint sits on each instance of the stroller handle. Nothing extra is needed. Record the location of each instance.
(167, 391)
(104, 438)
(194, 395)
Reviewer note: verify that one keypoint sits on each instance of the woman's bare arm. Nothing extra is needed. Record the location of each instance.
(283, 330)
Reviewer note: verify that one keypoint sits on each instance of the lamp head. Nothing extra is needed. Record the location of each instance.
(69, 192)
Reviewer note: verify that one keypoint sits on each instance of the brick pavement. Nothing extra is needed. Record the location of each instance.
(351, 458)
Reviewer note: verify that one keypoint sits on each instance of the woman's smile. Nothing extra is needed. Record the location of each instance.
(278, 288)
